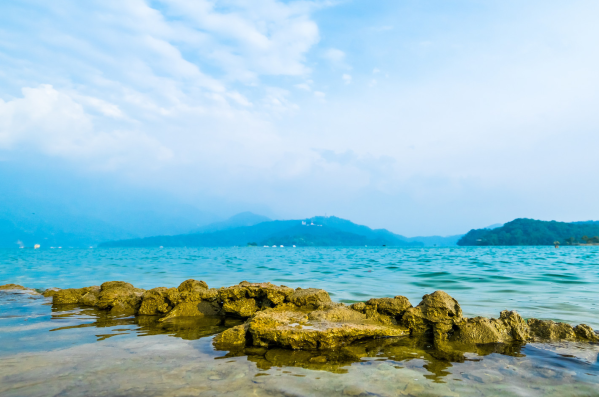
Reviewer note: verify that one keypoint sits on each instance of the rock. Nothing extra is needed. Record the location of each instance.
(242, 307)
(585, 332)
(193, 309)
(550, 330)
(71, 296)
(155, 302)
(232, 338)
(245, 299)
(509, 327)
(12, 286)
(310, 298)
(519, 328)
(338, 314)
(295, 330)
(394, 307)
(50, 292)
(482, 330)
(91, 298)
(192, 285)
(437, 313)
(120, 297)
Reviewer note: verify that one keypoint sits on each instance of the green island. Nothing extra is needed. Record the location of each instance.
(524, 231)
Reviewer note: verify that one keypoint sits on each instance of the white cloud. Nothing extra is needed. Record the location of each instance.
(346, 78)
(303, 86)
(334, 55)
(56, 124)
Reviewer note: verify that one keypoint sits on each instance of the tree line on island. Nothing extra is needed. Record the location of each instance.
(524, 231)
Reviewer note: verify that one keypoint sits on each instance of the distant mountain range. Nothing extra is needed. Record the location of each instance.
(533, 232)
(317, 231)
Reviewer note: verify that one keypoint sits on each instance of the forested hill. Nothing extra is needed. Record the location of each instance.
(533, 232)
(317, 231)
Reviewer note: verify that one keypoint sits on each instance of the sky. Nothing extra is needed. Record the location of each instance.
(422, 117)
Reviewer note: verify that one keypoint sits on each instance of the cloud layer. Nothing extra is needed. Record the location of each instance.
(419, 119)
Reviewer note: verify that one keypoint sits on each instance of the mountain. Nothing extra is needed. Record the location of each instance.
(524, 231)
(243, 219)
(317, 231)
(436, 241)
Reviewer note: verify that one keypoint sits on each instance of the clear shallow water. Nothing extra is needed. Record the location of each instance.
(72, 351)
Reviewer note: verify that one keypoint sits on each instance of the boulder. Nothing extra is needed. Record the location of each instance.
(510, 327)
(394, 307)
(298, 330)
(246, 298)
(550, 330)
(585, 332)
(242, 307)
(120, 297)
(12, 286)
(71, 296)
(232, 338)
(155, 302)
(437, 313)
(310, 298)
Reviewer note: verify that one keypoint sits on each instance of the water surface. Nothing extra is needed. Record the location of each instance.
(72, 351)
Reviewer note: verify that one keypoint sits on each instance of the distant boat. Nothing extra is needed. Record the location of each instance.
(266, 246)
(294, 246)
(274, 246)
(36, 247)
(281, 246)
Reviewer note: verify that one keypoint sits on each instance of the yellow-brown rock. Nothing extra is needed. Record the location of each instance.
(310, 298)
(155, 302)
(437, 313)
(585, 332)
(550, 330)
(120, 297)
(71, 296)
(394, 307)
(295, 329)
(193, 309)
(242, 307)
(232, 338)
(12, 286)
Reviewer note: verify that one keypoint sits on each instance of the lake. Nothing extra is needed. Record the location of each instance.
(47, 350)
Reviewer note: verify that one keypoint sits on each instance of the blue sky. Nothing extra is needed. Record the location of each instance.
(423, 117)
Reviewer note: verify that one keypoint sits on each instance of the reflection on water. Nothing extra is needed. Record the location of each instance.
(74, 351)
(189, 328)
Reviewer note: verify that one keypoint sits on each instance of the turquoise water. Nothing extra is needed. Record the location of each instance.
(76, 351)
(539, 282)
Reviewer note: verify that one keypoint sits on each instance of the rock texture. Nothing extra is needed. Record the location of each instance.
(306, 319)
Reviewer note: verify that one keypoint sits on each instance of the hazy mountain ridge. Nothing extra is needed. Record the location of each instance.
(317, 231)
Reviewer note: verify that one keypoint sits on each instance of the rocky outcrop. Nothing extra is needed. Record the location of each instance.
(437, 313)
(19, 288)
(508, 328)
(12, 287)
(281, 317)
